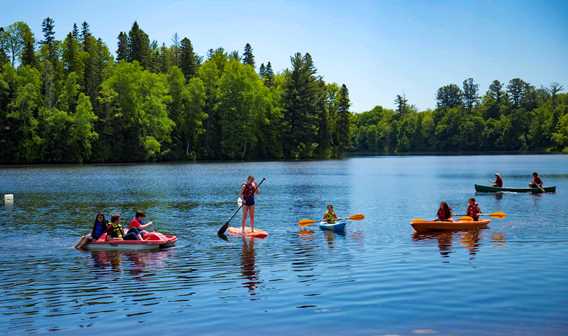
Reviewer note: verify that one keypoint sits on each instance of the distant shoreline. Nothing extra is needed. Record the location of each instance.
(348, 156)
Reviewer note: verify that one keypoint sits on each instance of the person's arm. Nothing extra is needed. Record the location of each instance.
(143, 226)
(256, 189)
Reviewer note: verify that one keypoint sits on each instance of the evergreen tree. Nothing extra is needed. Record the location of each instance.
(262, 71)
(188, 59)
(269, 75)
(85, 33)
(72, 55)
(75, 31)
(343, 120)
(248, 57)
(401, 103)
(470, 94)
(122, 50)
(300, 109)
(48, 29)
(139, 46)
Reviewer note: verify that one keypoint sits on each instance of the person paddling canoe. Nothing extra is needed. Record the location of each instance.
(536, 182)
(498, 181)
(248, 190)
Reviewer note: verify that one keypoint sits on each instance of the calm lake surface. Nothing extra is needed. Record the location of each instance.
(378, 278)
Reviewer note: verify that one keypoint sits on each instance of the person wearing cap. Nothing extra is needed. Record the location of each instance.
(498, 181)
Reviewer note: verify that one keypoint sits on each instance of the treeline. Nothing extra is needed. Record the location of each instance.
(74, 101)
(511, 117)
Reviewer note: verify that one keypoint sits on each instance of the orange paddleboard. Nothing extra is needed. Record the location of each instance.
(257, 233)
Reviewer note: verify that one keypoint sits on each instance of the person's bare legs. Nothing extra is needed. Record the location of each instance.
(244, 222)
(251, 214)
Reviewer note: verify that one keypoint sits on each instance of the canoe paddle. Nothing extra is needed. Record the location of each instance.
(304, 222)
(225, 226)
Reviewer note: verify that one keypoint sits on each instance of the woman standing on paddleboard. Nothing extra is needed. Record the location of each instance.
(248, 190)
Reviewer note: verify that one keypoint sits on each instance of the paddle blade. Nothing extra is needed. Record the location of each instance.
(417, 220)
(223, 229)
(466, 218)
(356, 217)
(498, 214)
(303, 222)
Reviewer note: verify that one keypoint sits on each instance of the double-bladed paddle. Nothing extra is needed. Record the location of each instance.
(498, 214)
(305, 222)
(221, 231)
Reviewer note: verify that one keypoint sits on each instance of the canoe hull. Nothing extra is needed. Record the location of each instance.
(132, 245)
(482, 188)
(431, 226)
(339, 226)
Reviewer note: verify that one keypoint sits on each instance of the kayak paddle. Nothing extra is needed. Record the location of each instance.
(498, 214)
(222, 229)
(304, 222)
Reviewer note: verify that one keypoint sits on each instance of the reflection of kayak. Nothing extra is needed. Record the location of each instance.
(152, 241)
(482, 188)
(257, 233)
(427, 226)
(338, 226)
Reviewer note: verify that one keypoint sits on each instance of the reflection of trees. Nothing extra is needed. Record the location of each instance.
(248, 265)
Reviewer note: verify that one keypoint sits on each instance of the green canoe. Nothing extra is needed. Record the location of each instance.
(482, 188)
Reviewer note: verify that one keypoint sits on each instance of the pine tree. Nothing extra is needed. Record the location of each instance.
(188, 59)
(269, 75)
(122, 50)
(401, 103)
(449, 96)
(71, 55)
(85, 33)
(75, 31)
(139, 46)
(248, 57)
(262, 71)
(48, 29)
(301, 118)
(343, 121)
(470, 94)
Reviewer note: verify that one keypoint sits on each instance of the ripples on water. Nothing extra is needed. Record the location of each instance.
(378, 277)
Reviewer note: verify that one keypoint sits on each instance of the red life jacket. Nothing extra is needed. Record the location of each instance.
(249, 190)
(499, 181)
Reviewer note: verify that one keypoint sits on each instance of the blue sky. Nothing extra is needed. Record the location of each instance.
(377, 48)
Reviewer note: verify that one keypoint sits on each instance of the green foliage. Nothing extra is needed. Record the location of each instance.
(70, 101)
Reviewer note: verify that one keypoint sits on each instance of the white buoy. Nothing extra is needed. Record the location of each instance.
(8, 198)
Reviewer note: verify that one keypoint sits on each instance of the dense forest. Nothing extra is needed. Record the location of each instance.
(516, 117)
(75, 100)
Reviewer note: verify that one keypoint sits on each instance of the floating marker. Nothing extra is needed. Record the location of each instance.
(8, 198)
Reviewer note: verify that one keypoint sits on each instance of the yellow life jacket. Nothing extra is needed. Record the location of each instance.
(115, 230)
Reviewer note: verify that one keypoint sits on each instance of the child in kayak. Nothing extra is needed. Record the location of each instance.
(330, 216)
(99, 227)
(498, 181)
(536, 181)
(248, 190)
(473, 209)
(115, 230)
(444, 213)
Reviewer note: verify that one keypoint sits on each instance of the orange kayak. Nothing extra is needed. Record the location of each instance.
(257, 233)
(428, 226)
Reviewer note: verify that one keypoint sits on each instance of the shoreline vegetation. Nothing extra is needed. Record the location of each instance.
(74, 101)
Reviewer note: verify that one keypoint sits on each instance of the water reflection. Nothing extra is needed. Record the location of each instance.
(136, 262)
(248, 265)
(470, 240)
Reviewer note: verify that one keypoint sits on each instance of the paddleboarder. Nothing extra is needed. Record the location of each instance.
(248, 190)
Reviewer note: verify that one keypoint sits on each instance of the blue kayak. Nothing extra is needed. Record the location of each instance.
(337, 226)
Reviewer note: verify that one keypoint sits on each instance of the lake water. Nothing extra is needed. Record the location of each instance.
(378, 278)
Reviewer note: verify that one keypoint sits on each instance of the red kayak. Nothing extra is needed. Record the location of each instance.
(152, 241)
